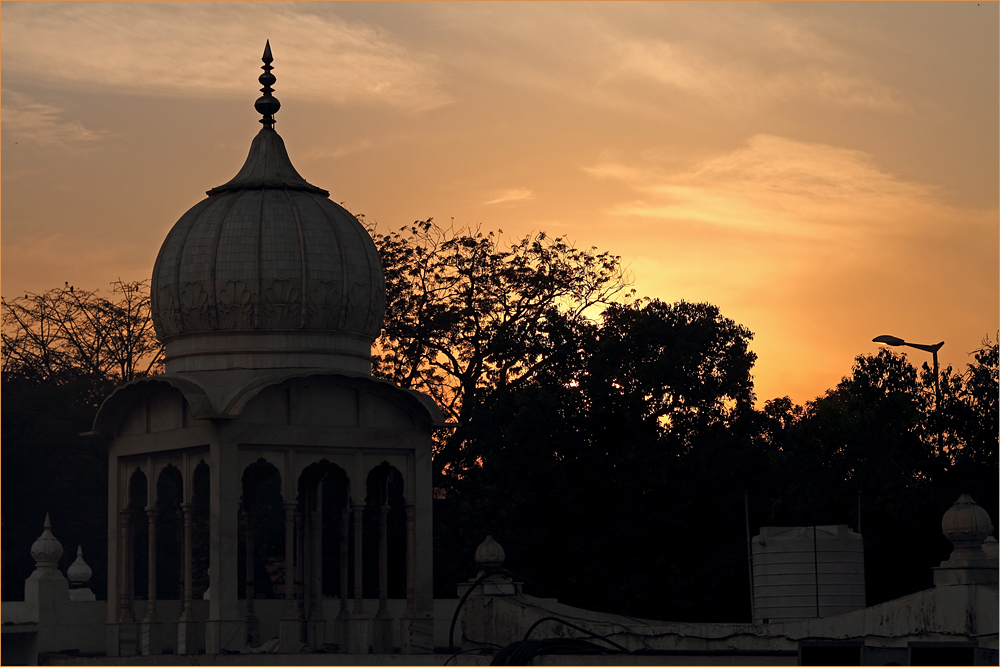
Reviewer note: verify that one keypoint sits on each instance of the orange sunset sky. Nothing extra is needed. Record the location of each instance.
(823, 172)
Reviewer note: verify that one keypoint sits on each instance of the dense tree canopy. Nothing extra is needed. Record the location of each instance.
(607, 442)
(467, 317)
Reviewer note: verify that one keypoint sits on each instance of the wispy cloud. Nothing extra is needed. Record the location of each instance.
(722, 76)
(748, 58)
(777, 186)
(510, 196)
(816, 248)
(212, 49)
(25, 119)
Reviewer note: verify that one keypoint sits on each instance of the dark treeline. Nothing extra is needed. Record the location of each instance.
(605, 441)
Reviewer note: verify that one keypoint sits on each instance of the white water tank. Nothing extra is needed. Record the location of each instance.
(807, 572)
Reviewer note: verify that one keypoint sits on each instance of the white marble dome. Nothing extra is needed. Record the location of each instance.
(267, 272)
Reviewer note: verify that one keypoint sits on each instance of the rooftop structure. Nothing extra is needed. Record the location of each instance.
(266, 485)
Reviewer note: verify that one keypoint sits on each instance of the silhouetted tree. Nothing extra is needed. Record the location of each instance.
(466, 316)
(617, 474)
(64, 334)
(63, 351)
(879, 433)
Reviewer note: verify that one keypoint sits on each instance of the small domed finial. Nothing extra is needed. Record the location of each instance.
(267, 105)
(966, 524)
(489, 554)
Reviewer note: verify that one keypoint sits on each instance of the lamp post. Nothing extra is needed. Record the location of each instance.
(933, 349)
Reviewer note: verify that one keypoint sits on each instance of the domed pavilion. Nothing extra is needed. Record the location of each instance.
(266, 487)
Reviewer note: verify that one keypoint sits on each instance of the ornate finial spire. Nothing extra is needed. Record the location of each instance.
(267, 105)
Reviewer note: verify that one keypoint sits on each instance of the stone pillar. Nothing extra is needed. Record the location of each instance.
(382, 623)
(225, 629)
(358, 640)
(187, 626)
(416, 627)
(315, 623)
(150, 641)
(341, 631)
(126, 562)
(411, 558)
(291, 623)
(478, 628)
(250, 590)
(123, 636)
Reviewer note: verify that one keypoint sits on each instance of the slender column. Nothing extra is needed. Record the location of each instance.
(358, 590)
(249, 518)
(151, 616)
(316, 574)
(187, 611)
(345, 526)
(300, 563)
(383, 562)
(126, 556)
(290, 626)
(411, 559)
(290, 560)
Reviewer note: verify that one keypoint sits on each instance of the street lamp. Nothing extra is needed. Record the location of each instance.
(933, 349)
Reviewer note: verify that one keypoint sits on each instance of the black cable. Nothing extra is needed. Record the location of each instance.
(571, 597)
(575, 627)
(481, 651)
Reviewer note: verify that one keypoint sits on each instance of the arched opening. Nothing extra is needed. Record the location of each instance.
(384, 567)
(324, 501)
(169, 535)
(262, 535)
(200, 542)
(138, 564)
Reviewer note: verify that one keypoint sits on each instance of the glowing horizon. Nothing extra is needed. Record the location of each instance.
(822, 172)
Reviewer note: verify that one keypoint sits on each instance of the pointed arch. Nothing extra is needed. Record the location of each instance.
(262, 521)
(384, 487)
(169, 534)
(201, 491)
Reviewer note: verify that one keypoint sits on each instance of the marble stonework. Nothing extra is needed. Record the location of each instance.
(267, 296)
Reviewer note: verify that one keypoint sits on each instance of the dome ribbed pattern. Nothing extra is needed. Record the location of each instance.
(268, 252)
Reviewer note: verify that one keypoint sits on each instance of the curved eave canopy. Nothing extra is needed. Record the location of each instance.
(120, 402)
(267, 167)
(421, 406)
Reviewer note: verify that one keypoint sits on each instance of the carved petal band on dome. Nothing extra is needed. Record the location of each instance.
(267, 167)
